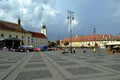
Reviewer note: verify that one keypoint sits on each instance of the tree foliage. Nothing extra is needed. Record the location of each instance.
(52, 44)
(66, 43)
(96, 45)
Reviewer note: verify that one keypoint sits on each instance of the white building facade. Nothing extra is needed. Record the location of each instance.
(90, 40)
(12, 35)
(39, 39)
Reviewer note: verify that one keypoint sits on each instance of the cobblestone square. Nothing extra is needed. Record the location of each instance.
(114, 66)
(4, 67)
(53, 65)
(30, 75)
(35, 65)
(82, 71)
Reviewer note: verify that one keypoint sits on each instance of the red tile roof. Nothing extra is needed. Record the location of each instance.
(11, 26)
(37, 35)
(97, 37)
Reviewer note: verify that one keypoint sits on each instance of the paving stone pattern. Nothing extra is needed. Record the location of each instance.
(115, 67)
(4, 67)
(35, 65)
(53, 65)
(7, 62)
(82, 71)
(67, 63)
(60, 60)
(95, 61)
(29, 75)
(35, 60)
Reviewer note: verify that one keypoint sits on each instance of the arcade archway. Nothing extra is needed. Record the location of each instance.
(11, 43)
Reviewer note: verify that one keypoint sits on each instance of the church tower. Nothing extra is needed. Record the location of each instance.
(19, 22)
(44, 30)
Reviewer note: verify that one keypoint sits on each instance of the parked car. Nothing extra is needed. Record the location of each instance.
(25, 48)
(41, 48)
(37, 49)
(116, 49)
(0, 49)
(52, 49)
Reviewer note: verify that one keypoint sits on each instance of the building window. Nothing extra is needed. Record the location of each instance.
(16, 36)
(9, 36)
(32, 41)
(28, 37)
(2, 35)
(22, 37)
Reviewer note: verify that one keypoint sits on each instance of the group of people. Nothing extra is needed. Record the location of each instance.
(65, 50)
(96, 51)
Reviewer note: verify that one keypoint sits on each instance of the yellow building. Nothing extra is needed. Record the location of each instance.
(12, 35)
(91, 40)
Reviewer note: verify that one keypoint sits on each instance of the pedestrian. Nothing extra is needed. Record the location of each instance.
(98, 52)
(4, 48)
(94, 51)
(74, 50)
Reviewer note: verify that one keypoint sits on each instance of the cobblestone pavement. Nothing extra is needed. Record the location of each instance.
(53, 65)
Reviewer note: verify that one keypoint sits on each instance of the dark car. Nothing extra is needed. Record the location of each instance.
(25, 49)
(116, 49)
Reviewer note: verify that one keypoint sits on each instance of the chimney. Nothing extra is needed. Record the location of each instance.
(19, 21)
(109, 36)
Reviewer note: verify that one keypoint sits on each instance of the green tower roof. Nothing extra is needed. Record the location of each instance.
(43, 26)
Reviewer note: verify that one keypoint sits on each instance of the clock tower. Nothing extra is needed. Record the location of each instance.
(44, 30)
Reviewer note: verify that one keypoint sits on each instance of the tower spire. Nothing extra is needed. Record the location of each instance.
(44, 30)
(19, 21)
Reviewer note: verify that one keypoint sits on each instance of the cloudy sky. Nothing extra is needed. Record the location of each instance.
(104, 15)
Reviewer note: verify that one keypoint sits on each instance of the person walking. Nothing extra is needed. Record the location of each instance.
(94, 51)
(74, 50)
(98, 51)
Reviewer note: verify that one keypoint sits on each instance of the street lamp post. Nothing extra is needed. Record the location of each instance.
(70, 18)
(94, 31)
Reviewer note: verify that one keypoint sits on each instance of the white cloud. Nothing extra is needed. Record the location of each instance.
(2, 12)
(115, 6)
(24, 10)
(49, 11)
(31, 12)
(36, 10)
(74, 23)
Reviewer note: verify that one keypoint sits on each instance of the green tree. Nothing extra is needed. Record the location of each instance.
(96, 45)
(66, 43)
(52, 44)
(89, 44)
